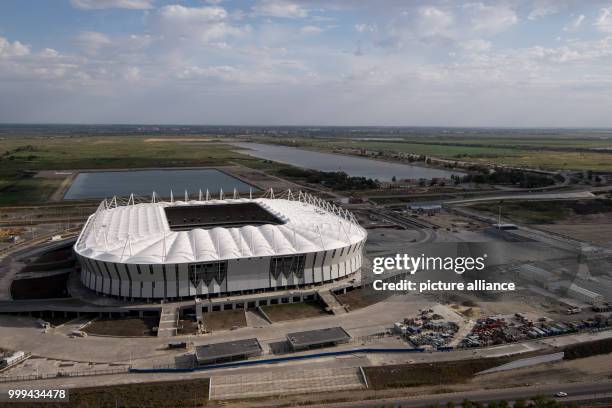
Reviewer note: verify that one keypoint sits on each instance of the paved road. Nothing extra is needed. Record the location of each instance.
(577, 392)
(530, 196)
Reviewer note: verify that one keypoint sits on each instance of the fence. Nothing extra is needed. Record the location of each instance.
(63, 374)
(276, 360)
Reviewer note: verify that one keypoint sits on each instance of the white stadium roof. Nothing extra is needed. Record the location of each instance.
(141, 234)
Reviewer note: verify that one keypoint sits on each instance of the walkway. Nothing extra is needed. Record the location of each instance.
(286, 382)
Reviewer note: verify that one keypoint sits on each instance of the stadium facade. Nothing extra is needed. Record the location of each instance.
(206, 248)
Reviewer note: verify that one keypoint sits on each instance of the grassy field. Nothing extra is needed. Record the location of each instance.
(414, 375)
(294, 311)
(183, 393)
(545, 212)
(546, 158)
(552, 153)
(21, 158)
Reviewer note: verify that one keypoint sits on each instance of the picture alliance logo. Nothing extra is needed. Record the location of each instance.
(412, 264)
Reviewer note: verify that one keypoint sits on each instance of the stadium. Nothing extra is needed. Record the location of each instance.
(216, 247)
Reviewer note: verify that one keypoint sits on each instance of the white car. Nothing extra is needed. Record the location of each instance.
(561, 394)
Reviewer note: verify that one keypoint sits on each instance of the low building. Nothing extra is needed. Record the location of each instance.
(228, 351)
(331, 336)
(577, 292)
(425, 207)
(535, 274)
(580, 293)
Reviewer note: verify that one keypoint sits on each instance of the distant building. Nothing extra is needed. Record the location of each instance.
(425, 207)
(577, 292)
(536, 274)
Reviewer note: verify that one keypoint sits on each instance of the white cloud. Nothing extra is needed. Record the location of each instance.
(49, 53)
(193, 14)
(491, 18)
(544, 8)
(279, 8)
(603, 21)
(132, 74)
(575, 24)
(476, 45)
(206, 24)
(12, 49)
(105, 4)
(362, 28)
(417, 64)
(93, 41)
(311, 29)
(433, 21)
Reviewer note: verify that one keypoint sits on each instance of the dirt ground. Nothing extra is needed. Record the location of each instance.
(596, 367)
(46, 287)
(224, 320)
(359, 298)
(187, 393)
(599, 233)
(294, 311)
(451, 222)
(187, 326)
(129, 327)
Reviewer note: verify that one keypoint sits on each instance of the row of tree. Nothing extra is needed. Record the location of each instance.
(337, 180)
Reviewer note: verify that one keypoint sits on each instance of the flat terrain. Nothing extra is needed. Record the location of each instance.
(413, 375)
(586, 220)
(187, 326)
(53, 286)
(22, 158)
(359, 298)
(224, 320)
(185, 393)
(294, 311)
(129, 327)
(549, 212)
(546, 153)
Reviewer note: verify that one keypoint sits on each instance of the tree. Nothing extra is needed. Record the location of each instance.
(467, 404)
(393, 179)
(520, 404)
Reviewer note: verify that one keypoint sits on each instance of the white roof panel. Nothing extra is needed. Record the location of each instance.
(139, 233)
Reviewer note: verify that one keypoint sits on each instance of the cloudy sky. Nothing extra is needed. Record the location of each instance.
(275, 62)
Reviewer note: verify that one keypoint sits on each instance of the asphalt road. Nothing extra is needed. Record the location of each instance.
(577, 392)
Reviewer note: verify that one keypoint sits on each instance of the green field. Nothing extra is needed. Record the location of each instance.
(545, 158)
(544, 212)
(539, 153)
(21, 158)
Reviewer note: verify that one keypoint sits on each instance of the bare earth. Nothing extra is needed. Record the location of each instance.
(598, 233)
(224, 320)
